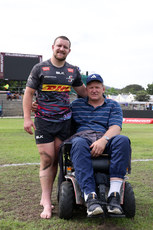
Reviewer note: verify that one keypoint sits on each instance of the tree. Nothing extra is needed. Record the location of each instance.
(111, 91)
(132, 89)
(142, 95)
(150, 89)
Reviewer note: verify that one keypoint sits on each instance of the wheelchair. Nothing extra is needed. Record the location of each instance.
(69, 193)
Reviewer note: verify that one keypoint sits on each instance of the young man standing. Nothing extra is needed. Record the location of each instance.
(51, 80)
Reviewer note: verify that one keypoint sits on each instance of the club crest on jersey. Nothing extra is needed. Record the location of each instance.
(46, 68)
(70, 78)
(70, 70)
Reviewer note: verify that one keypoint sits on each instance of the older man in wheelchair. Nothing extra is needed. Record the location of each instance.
(100, 157)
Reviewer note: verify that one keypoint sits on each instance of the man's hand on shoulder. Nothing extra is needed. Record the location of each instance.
(34, 106)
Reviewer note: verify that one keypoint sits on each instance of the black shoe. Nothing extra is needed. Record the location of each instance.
(113, 205)
(93, 205)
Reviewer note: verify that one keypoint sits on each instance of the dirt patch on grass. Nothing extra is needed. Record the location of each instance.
(21, 193)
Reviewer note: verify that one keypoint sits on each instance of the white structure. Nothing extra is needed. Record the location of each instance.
(126, 98)
(127, 101)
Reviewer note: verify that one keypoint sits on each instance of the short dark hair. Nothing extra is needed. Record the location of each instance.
(64, 38)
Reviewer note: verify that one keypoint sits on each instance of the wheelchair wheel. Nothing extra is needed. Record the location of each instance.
(66, 200)
(129, 201)
(59, 182)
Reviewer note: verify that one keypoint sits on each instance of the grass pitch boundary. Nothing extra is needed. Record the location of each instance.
(23, 164)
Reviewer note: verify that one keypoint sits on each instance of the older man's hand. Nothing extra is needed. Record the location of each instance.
(98, 147)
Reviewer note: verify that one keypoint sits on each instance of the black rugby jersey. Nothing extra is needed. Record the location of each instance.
(53, 86)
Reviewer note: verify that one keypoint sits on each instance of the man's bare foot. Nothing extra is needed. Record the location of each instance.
(47, 212)
(52, 206)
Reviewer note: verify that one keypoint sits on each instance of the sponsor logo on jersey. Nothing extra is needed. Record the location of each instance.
(60, 73)
(70, 70)
(46, 68)
(57, 88)
(49, 76)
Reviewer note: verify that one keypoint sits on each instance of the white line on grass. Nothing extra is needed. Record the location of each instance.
(23, 164)
(142, 160)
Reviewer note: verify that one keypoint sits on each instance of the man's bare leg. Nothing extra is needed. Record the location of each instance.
(48, 171)
(57, 144)
(47, 155)
(46, 181)
(47, 186)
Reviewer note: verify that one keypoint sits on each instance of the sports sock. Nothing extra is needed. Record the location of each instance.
(115, 186)
(86, 195)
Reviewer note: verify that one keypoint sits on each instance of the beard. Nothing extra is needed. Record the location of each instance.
(59, 59)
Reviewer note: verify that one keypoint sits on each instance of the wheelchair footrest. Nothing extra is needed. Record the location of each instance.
(116, 215)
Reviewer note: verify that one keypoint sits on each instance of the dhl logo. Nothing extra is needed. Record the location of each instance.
(58, 88)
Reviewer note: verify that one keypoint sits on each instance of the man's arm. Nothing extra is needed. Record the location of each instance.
(99, 145)
(81, 90)
(27, 103)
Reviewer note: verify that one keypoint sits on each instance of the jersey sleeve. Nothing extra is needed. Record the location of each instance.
(33, 80)
(78, 79)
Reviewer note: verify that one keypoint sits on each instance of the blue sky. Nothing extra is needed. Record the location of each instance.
(111, 37)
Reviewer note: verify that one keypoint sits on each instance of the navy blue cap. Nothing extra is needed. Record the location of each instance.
(94, 77)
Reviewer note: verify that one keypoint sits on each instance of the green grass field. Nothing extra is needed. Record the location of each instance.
(20, 189)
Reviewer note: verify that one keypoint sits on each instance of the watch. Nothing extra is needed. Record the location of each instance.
(106, 138)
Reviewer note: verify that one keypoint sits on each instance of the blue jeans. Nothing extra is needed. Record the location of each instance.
(118, 149)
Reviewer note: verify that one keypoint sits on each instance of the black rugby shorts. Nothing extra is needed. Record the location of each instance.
(46, 131)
